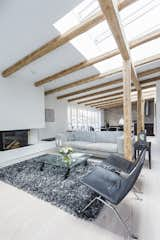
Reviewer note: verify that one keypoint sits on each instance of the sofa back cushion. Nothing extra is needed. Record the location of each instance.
(108, 136)
(84, 136)
(81, 136)
(70, 136)
(104, 136)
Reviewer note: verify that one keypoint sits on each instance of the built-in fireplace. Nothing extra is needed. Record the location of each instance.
(13, 139)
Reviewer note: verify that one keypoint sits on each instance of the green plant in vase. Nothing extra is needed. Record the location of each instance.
(66, 154)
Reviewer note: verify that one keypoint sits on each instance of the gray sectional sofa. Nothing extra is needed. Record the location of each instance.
(99, 144)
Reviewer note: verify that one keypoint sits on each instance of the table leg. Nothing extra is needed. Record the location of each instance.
(86, 163)
(135, 154)
(67, 173)
(42, 166)
(149, 156)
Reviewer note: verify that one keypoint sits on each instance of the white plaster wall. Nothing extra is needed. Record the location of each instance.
(60, 124)
(158, 110)
(102, 118)
(21, 105)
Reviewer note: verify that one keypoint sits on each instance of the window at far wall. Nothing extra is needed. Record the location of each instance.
(83, 119)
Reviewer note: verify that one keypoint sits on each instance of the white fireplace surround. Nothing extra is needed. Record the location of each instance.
(36, 148)
(18, 154)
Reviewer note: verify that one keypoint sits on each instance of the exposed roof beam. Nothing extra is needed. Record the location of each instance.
(99, 76)
(110, 10)
(113, 96)
(96, 93)
(115, 71)
(120, 103)
(89, 101)
(61, 40)
(84, 81)
(110, 106)
(120, 94)
(115, 102)
(110, 90)
(107, 106)
(120, 98)
(113, 105)
(132, 44)
(150, 80)
(107, 101)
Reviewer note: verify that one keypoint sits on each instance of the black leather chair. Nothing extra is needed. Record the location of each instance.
(111, 188)
(119, 164)
(116, 163)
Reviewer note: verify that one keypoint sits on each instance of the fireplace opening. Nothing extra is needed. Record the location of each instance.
(13, 139)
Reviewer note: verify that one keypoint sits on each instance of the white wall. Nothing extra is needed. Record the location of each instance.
(61, 117)
(21, 105)
(60, 124)
(102, 118)
(158, 110)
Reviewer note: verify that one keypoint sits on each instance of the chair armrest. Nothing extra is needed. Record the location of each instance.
(118, 172)
(124, 175)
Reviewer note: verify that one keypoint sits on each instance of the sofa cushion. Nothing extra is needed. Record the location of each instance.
(107, 136)
(78, 144)
(84, 136)
(104, 147)
(70, 136)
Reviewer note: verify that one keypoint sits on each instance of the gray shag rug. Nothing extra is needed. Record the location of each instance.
(51, 186)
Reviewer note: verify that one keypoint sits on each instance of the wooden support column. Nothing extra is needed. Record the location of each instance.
(139, 111)
(127, 109)
(143, 105)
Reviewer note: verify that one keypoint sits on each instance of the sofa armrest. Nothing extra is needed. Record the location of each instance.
(120, 144)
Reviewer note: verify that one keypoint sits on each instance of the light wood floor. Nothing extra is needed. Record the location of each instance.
(23, 217)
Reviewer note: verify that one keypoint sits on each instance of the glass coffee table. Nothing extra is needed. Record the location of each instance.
(56, 159)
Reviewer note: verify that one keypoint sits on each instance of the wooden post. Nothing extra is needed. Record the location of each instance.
(139, 111)
(127, 109)
(143, 104)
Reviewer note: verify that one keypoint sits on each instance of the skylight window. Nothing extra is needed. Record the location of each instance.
(87, 9)
(138, 19)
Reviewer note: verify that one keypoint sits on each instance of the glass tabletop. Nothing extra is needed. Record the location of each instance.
(57, 159)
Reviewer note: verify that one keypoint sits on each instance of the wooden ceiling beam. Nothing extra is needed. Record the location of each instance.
(86, 80)
(96, 104)
(120, 99)
(100, 76)
(107, 101)
(88, 101)
(150, 80)
(62, 39)
(96, 93)
(111, 101)
(114, 96)
(113, 90)
(104, 100)
(137, 42)
(108, 105)
(111, 14)
(105, 106)
(134, 43)
(114, 71)
(110, 10)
